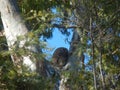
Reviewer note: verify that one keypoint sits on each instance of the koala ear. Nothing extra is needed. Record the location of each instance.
(60, 57)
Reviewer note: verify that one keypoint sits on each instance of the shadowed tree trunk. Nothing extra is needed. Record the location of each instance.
(71, 65)
(73, 58)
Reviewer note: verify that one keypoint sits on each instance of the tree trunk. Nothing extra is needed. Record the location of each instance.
(92, 54)
(73, 58)
(14, 26)
(100, 59)
(71, 65)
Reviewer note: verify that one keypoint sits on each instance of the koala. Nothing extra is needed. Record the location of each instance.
(60, 57)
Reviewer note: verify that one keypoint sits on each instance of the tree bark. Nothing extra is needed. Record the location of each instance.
(71, 65)
(14, 26)
(92, 54)
(100, 59)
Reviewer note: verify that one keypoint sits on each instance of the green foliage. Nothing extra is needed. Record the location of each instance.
(78, 80)
(75, 15)
(19, 77)
(11, 79)
(105, 34)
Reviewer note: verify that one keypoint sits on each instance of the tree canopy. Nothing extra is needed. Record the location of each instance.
(97, 24)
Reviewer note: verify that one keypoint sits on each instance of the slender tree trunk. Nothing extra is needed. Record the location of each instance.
(100, 58)
(92, 47)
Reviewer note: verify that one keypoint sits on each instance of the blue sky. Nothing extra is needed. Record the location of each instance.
(58, 40)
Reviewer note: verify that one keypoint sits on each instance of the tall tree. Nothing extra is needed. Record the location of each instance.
(95, 26)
